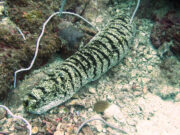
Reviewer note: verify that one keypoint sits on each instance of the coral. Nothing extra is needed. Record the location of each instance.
(166, 30)
(170, 70)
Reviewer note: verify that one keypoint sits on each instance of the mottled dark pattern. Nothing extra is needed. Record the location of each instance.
(104, 51)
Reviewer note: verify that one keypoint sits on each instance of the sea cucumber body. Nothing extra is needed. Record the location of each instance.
(104, 51)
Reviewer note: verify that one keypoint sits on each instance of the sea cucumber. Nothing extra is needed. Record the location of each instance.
(105, 50)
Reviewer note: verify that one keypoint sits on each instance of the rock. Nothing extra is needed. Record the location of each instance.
(92, 90)
(58, 133)
(99, 127)
(167, 92)
(149, 68)
(113, 111)
(1, 9)
(101, 134)
(148, 56)
(86, 130)
(137, 93)
(75, 102)
(111, 97)
(177, 98)
(59, 126)
(70, 129)
(35, 130)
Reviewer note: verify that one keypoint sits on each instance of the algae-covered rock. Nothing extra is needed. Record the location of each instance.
(15, 53)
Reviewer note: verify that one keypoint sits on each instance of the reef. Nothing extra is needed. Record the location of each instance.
(170, 70)
(15, 53)
(29, 16)
(165, 35)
